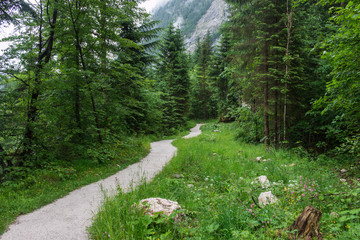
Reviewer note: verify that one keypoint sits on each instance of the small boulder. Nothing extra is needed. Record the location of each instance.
(343, 170)
(292, 165)
(154, 206)
(334, 215)
(258, 159)
(216, 130)
(266, 198)
(263, 181)
(342, 180)
(177, 176)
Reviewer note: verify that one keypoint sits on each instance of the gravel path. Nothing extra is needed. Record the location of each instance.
(67, 218)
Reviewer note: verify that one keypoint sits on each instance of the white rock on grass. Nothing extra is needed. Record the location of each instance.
(334, 215)
(343, 170)
(154, 206)
(263, 181)
(266, 198)
(292, 165)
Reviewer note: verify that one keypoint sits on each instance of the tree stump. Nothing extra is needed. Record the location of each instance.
(307, 224)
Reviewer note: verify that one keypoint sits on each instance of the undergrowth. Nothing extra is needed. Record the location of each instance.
(217, 192)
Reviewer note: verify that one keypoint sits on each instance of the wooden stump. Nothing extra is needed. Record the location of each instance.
(307, 224)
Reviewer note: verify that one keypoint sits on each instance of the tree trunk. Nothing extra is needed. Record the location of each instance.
(289, 23)
(276, 143)
(307, 224)
(266, 96)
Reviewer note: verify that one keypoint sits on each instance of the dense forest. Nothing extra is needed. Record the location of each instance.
(81, 77)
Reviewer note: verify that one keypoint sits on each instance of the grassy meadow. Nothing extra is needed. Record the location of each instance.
(217, 192)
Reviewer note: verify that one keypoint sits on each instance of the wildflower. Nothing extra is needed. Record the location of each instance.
(253, 214)
(303, 195)
(263, 226)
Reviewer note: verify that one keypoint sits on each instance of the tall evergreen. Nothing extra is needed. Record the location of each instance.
(202, 104)
(225, 89)
(173, 78)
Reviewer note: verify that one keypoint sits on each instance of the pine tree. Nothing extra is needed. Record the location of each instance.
(173, 78)
(203, 105)
(220, 74)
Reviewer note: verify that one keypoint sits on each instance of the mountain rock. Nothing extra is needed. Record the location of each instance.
(194, 17)
(211, 21)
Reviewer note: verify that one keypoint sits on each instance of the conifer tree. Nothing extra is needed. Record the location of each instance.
(203, 105)
(225, 95)
(173, 78)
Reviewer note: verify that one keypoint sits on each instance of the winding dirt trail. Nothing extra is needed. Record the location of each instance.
(67, 218)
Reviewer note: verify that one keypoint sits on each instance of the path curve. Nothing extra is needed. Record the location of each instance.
(195, 131)
(67, 218)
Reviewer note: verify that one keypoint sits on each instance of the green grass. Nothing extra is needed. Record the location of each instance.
(216, 194)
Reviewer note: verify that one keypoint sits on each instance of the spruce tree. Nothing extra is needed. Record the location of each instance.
(173, 78)
(203, 104)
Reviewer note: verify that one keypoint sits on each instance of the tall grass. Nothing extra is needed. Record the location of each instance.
(217, 192)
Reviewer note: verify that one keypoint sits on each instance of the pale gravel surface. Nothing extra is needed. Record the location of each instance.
(67, 218)
(195, 131)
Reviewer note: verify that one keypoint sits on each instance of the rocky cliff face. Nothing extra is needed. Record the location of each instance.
(211, 21)
(194, 17)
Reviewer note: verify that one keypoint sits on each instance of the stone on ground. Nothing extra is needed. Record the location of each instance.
(154, 206)
(266, 198)
(263, 181)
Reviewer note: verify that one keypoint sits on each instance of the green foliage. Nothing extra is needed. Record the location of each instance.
(249, 124)
(78, 84)
(203, 101)
(340, 103)
(274, 61)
